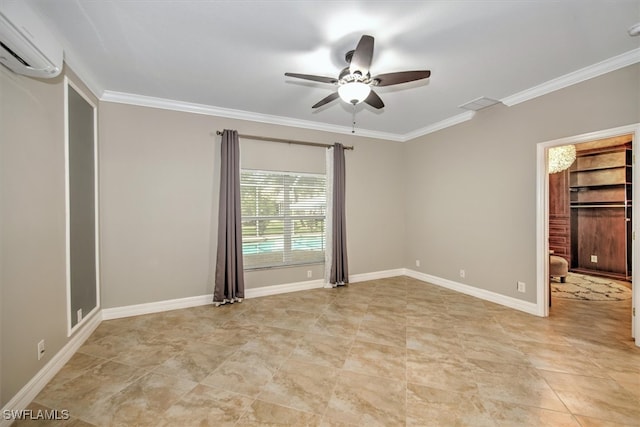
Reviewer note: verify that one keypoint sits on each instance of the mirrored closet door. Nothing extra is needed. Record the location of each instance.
(82, 206)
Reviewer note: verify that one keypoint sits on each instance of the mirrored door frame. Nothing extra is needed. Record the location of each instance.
(71, 328)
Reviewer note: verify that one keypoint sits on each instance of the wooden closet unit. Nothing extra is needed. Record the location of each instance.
(560, 215)
(600, 205)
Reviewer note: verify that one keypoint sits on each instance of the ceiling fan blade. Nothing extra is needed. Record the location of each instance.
(374, 100)
(389, 79)
(362, 56)
(311, 77)
(326, 100)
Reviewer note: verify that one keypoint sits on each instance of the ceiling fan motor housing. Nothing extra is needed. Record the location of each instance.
(349, 55)
(345, 76)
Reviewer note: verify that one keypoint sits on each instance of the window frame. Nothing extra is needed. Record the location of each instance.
(287, 221)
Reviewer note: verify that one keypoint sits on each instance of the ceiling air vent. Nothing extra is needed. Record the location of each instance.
(479, 104)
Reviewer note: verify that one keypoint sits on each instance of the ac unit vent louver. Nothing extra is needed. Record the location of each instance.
(15, 55)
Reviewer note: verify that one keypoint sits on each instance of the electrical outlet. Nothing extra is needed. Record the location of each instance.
(462, 273)
(40, 349)
(79, 314)
(522, 287)
(417, 263)
(309, 274)
(594, 258)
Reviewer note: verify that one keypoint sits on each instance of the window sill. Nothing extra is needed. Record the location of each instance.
(277, 267)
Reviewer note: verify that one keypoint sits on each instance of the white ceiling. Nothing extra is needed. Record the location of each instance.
(229, 57)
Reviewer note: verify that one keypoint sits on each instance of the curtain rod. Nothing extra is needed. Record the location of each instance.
(287, 141)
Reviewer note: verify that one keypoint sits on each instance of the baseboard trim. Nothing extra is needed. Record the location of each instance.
(384, 274)
(264, 291)
(29, 392)
(517, 304)
(188, 302)
(155, 307)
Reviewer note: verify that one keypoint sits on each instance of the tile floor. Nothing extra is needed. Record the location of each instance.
(388, 352)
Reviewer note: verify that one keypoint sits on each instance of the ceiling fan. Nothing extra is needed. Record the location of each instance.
(355, 82)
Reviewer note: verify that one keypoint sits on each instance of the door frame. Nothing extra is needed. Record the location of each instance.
(542, 216)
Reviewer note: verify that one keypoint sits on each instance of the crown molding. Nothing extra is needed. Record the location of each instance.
(620, 61)
(188, 107)
(442, 124)
(615, 63)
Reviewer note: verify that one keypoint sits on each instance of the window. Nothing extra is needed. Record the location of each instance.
(283, 218)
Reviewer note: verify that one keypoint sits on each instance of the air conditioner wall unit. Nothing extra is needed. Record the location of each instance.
(26, 45)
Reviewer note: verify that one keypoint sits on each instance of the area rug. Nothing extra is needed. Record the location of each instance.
(590, 288)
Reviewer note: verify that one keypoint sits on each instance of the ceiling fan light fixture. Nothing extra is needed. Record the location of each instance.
(354, 92)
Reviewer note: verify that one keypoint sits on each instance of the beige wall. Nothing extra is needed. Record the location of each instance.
(159, 188)
(32, 226)
(471, 189)
(155, 198)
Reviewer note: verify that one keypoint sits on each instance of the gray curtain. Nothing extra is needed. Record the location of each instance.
(229, 281)
(339, 265)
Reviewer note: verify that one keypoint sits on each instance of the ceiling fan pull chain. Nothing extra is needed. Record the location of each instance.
(353, 119)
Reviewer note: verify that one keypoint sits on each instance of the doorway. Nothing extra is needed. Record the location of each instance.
(543, 227)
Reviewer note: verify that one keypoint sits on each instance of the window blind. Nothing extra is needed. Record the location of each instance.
(283, 218)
